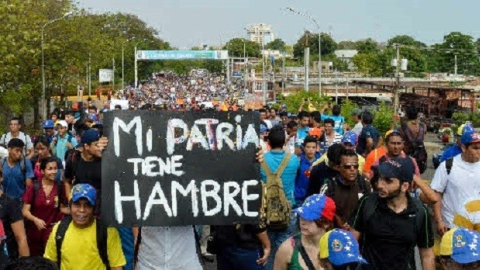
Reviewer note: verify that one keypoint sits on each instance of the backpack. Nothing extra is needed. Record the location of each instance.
(23, 166)
(36, 188)
(417, 149)
(101, 240)
(276, 208)
(69, 138)
(331, 183)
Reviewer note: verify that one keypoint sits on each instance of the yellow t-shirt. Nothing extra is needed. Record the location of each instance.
(79, 248)
(361, 161)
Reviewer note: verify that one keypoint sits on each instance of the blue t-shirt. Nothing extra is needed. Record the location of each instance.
(367, 132)
(339, 122)
(273, 160)
(451, 152)
(301, 183)
(301, 134)
(126, 237)
(14, 179)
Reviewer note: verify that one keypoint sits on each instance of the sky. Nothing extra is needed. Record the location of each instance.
(188, 23)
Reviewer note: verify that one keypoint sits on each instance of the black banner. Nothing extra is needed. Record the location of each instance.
(165, 168)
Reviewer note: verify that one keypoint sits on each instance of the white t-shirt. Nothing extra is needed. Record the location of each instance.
(291, 143)
(462, 182)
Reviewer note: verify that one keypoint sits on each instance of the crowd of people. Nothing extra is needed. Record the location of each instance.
(335, 196)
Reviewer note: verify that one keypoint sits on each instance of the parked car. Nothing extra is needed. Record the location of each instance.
(437, 156)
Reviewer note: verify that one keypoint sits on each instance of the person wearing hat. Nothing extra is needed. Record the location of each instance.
(391, 223)
(457, 148)
(49, 129)
(357, 118)
(263, 137)
(62, 141)
(340, 250)
(301, 251)
(460, 178)
(460, 249)
(79, 248)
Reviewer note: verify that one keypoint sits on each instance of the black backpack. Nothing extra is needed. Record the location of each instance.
(101, 240)
(415, 146)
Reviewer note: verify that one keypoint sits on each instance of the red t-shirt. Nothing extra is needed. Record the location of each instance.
(46, 209)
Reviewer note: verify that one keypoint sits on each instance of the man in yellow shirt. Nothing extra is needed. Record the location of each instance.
(80, 245)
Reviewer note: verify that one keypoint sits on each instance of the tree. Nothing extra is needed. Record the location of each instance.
(405, 40)
(328, 44)
(463, 47)
(346, 45)
(277, 44)
(367, 46)
(236, 47)
(368, 64)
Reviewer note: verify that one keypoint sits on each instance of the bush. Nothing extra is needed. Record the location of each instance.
(293, 101)
(383, 117)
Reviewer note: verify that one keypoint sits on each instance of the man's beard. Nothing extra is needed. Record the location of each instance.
(394, 194)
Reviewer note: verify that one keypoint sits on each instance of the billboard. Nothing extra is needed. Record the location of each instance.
(105, 75)
(181, 55)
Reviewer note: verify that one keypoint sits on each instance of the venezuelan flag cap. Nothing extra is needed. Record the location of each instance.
(462, 245)
(340, 248)
(315, 207)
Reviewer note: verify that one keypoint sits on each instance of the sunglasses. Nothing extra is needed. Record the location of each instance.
(347, 166)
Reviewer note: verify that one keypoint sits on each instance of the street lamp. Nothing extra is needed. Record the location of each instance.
(319, 46)
(44, 105)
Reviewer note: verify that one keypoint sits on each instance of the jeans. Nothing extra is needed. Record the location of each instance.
(232, 257)
(278, 237)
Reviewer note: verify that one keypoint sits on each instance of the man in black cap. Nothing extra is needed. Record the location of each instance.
(390, 223)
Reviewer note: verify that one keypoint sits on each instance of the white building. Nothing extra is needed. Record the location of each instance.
(347, 56)
(261, 33)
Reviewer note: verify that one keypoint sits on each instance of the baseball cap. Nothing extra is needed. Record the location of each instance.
(464, 128)
(263, 128)
(461, 245)
(401, 168)
(356, 111)
(340, 248)
(350, 137)
(89, 136)
(317, 206)
(48, 124)
(392, 131)
(315, 132)
(84, 191)
(470, 137)
(63, 123)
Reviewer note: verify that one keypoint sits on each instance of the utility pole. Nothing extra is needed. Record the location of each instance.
(397, 74)
(306, 60)
(456, 65)
(283, 74)
(136, 68)
(89, 75)
(113, 76)
(336, 87)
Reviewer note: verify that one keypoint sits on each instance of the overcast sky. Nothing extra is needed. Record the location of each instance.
(186, 23)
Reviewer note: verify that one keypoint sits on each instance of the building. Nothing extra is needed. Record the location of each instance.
(261, 33)
(347, 56)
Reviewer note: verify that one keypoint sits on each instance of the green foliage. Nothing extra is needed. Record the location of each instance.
(367, 46)
(277, 44)
(347, 108)
(406, 40)
(460, 118)
(236, 47)
(368, 64)
(383, 117)
(346, 45)
(328, 44)
(294, 101)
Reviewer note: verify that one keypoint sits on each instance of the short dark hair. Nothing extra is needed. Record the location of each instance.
(392, 134)
(262, 111)
(292, 124)
(412, 113)
(16, 142)
(336, 110)
(316, 116)
(276, 136)
(329, 121)
(303, 114)
(15, 119)
(45, 161)
(282, 114)
(348, 153)
(334, 153)
(367, 117)
(309, 139)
